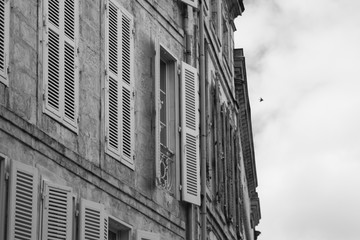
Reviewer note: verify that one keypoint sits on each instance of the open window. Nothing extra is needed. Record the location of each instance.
(166, 119)
(118, 230)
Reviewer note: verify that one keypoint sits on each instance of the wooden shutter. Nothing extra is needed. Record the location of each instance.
(61, 60)
(23, 203)
(190, 135)
(4, 39)
(193, 3)
(92, 225)
(119, 83)
(157, 108)
(70, 62)
(112, 80)
(106, 227)
(57, 212)
(127, 110)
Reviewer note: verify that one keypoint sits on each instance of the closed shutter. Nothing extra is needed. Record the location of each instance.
(112, 80)
(4, 39)
(60, 60)
(70, 62)
(193, 3)
(23, 203)
(119, 83)
(127, 112)
(190, 135)
(91, 220)
(57, 212)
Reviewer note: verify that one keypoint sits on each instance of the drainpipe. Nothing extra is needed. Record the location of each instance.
(190, 211)
(202, 124)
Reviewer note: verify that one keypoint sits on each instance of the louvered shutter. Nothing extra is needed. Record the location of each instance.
(193, 3)
(4, 39)
(23, 204)
(60, 60)
(119, 83)
(127, 110)
(70, 62)
(112, 80)
(92, 223)
(157, 108)
(106, 227)
(57, 212)
(190, 135)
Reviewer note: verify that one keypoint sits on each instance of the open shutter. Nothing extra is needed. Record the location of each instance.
(60, 60)
(127, 110)
(57, 212)
(91, 220)
(70, 62)
(106, 227)
(193, 3)
(157, 108)
(4, 39)
(23, 202)
(190, 135)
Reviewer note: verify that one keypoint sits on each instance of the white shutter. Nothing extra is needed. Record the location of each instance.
(70, 62)
(61, 60)
(91, 220)
(157, 108)
(127, 110)
(57, 212)
(193, 3)
(190, 135)
(52, 62)
(106, 227)
(119, 83)
(4, 40)
(23, 202)
(112, 80)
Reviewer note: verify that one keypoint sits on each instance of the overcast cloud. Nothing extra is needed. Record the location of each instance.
(303, 59)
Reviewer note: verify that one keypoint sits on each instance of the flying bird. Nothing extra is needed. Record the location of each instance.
(260, 100)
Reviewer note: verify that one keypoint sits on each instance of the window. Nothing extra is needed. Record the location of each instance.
(96, 224)
(118, 230)
(216, 18)
(166, 118)
(119, 112)
(60, 51)
(143, 235)
(193, 3)
(4, 40)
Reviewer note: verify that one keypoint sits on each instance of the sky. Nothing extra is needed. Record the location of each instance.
(303, 59)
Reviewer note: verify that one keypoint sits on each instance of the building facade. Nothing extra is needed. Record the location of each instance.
(124, 120)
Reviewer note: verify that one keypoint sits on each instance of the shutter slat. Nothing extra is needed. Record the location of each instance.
(190, 135)
(23, 201)
(92, 223)
(2, 35)
(57, 212)
(119, 99)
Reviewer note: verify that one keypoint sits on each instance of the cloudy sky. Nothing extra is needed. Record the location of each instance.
(303, 59)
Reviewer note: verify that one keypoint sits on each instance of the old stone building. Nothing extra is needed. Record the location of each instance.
(124, 119)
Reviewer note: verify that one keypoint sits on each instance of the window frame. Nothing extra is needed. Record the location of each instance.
(172, 108)
(145, 235)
